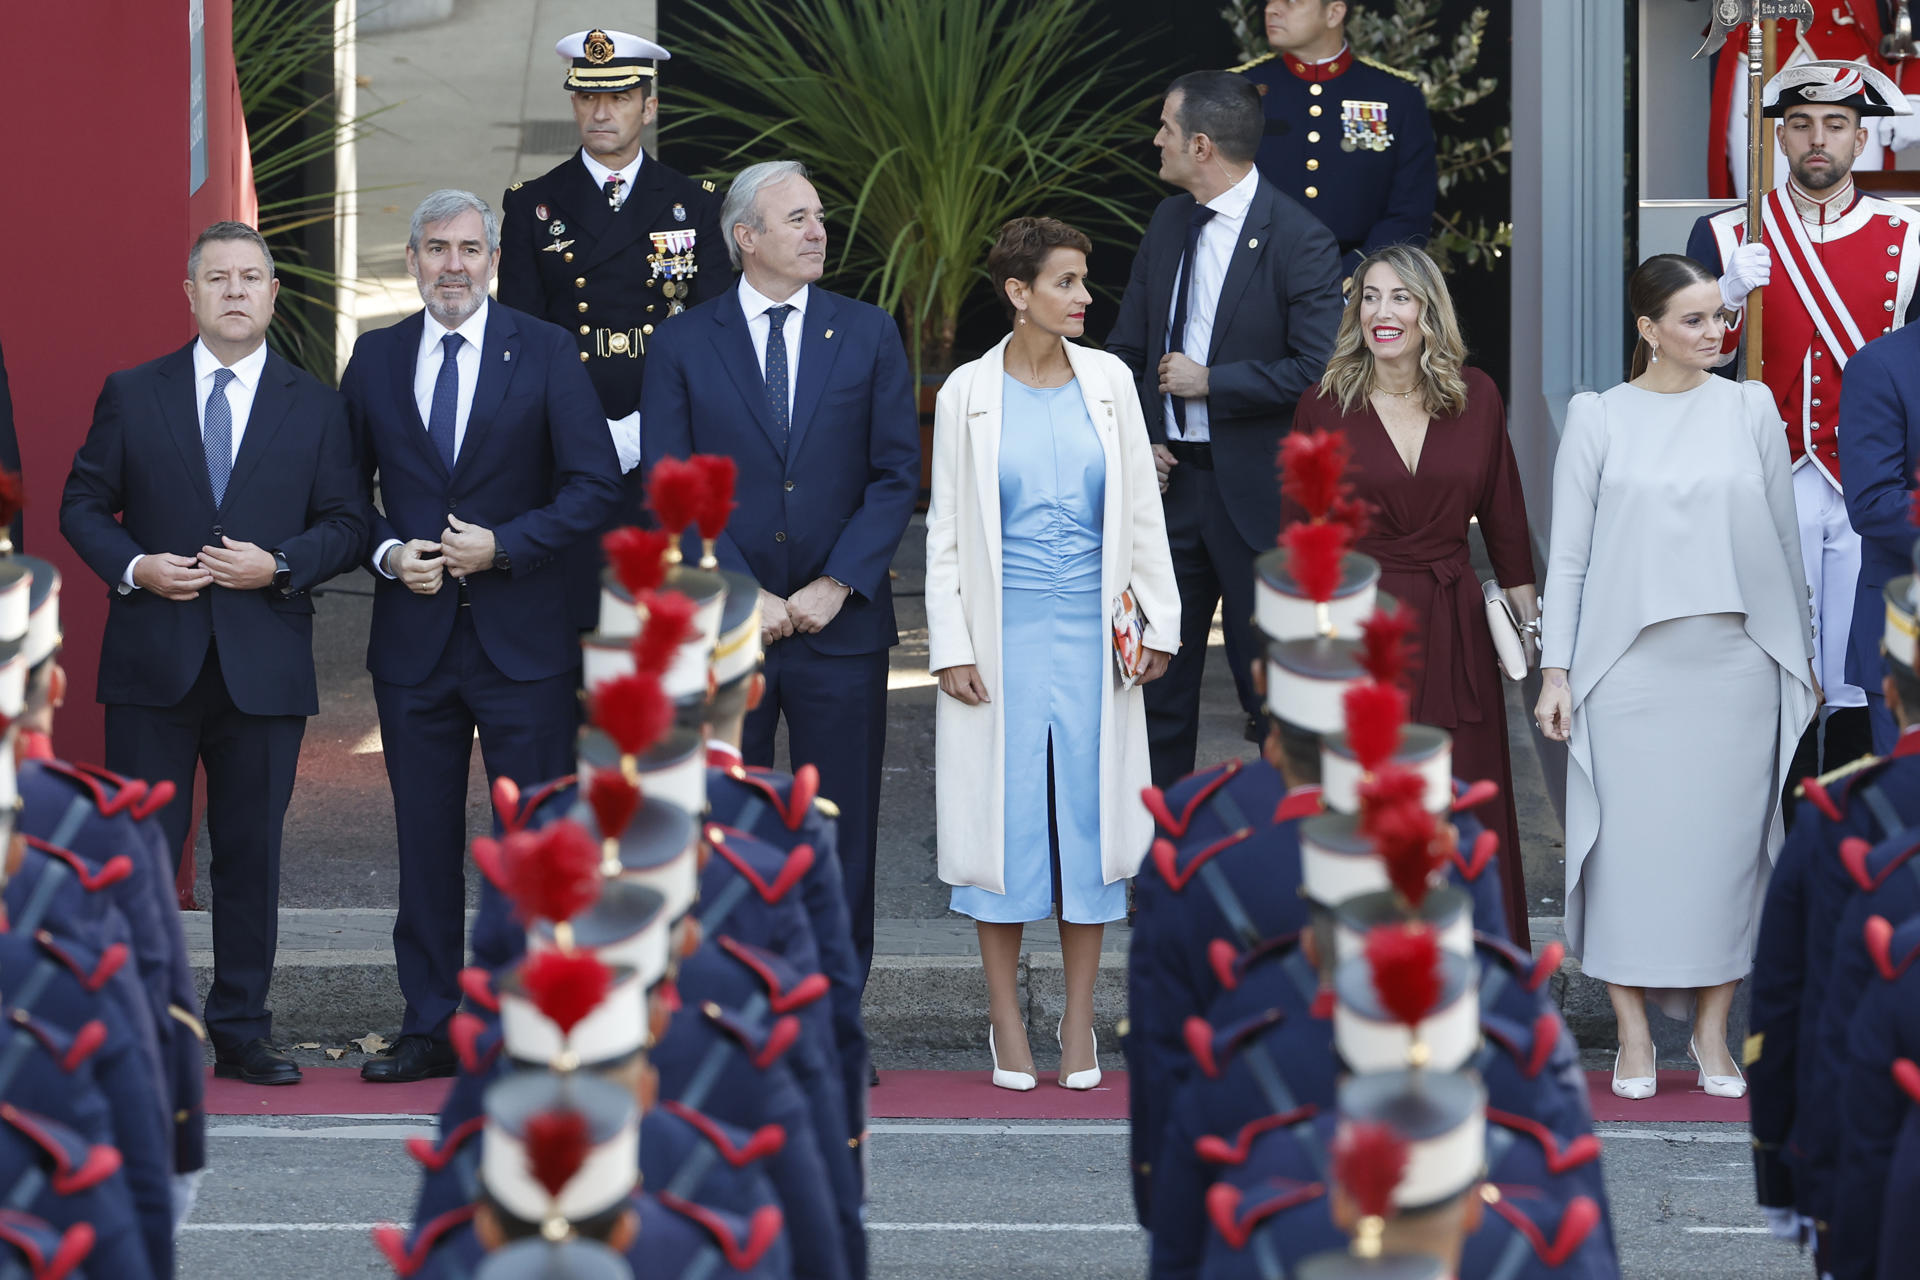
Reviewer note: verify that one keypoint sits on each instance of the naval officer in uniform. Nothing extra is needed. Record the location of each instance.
(608, 245)
(1347, 137)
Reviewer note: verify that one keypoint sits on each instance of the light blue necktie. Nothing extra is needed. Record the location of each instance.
(776, 371)
(446, 398)
(217, 436)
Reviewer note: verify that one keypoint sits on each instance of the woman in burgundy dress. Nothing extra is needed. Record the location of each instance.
(1430, 453)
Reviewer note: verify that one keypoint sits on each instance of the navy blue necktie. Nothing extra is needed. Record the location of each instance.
(216, 435)
(446, 398)
(776, 370)
(1177, 332)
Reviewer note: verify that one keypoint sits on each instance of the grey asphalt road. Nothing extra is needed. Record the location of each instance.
(955, 1199)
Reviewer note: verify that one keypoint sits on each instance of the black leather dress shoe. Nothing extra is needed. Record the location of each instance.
(256, 1062)
(411, 1058)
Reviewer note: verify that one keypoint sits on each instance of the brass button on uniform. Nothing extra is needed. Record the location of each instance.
(567, 256)
(1315, 90)
(1313, 164)
(580, 282)
(1313, 136)
(646, 328)
(1313, 193)
(583, 308)
(585, 329)
(1314, 110)
(583, 357)
(649, 308)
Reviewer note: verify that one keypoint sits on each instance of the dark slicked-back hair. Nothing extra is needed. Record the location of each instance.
(1225, 107)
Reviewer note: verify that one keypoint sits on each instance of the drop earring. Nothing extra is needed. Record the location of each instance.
(1653, 354)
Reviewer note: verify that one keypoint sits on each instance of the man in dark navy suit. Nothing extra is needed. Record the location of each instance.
(233, 478)
(1227, 321)
(809, 393)
(494, 460)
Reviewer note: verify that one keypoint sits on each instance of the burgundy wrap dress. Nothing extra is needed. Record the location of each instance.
(1419, 535)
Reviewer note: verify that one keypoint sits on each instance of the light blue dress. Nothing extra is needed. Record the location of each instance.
(1055, 650)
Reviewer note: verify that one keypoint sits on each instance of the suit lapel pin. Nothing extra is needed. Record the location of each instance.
(1254, 243)
(829, 333)
(506, 355)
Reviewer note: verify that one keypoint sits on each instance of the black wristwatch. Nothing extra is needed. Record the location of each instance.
(282, 573)
(501, 560)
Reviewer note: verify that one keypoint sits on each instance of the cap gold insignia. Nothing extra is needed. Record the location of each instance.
(599, 48)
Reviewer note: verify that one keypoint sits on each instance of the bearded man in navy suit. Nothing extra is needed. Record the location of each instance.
(494, 459)
(810, 394)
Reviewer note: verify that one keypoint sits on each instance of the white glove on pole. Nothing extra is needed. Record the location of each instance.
(626, 440)
(1749, 267)
(1897, 133)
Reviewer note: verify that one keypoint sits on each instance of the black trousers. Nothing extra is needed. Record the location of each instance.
(1212, 563)
(526, 733)
(251, 762)
(836, 711)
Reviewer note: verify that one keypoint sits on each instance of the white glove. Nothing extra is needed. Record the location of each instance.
(626, 440)
(1897, 133)
(1749, 267)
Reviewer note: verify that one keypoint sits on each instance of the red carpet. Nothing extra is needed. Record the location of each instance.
(908, 1095)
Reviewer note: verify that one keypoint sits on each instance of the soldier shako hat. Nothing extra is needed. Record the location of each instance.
(673, 769)
(1423, 750)
(602, 61)
(559, 1149)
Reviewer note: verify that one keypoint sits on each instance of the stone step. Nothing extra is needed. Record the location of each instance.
(925, 1004)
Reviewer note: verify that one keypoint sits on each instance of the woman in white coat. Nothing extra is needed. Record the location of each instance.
(1046, 506)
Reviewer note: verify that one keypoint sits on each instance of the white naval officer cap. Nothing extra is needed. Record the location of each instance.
(601, 61)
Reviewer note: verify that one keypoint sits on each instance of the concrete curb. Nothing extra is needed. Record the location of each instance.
(926, 997)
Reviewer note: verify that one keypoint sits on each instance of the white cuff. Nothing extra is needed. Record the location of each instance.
(127, 584)
(380, 557)
(626, 440)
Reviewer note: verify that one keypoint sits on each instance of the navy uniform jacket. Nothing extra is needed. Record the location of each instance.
(834, 499)
(1776, 1014)
(112, 816)
(294, 487)
(1903, 1188)
(1879, 449)
(1875, 1104)
(674, 1238)
(569, 258)
(536, 466)
(766, 804)
(1377, 192)
(1273, 330)
(50, 1171)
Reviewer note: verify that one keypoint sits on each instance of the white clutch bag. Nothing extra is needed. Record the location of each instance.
(1516, 644)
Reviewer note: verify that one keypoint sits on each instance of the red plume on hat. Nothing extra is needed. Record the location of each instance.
(1385, 651)
(1368, 1162)
(566, 986)
(1375, 713)
(633, 710)
(675, 490)
(717, 476)
(1404, 834)
(614, 799)
(1405, 959)
(550, 874)
(1313, 467)
(1314, 554)
(638, 557)
(557, 1146)
(669, 622)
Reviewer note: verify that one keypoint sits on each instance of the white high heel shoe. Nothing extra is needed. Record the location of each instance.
(1080, 1080)
(1018, 1081)
(1633, 1088)
(1733, 1086)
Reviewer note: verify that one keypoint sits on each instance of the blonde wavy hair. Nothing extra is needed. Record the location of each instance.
(1349, 376)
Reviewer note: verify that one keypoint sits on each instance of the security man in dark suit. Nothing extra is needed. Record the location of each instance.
(1347, 137)
(1227, 320)
(494, 461)
(233, 478)
(608, 245)
(1879, 450)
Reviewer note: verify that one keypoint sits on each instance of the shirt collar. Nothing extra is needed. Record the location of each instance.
(1238, 198)
(755, 303)
(246, 370)
(473, 329)
(601, 173)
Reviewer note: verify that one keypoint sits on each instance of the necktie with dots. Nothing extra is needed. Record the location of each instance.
(217, 435)
(776, 371)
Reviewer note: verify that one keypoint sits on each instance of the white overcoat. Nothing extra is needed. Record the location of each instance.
(963, 612)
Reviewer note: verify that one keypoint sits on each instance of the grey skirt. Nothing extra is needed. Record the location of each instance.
(1682, 736)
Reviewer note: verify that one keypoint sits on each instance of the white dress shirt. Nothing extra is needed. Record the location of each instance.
(601, 173)
(426, 373)
(1212, 254)
(755, 304)
(246, 380)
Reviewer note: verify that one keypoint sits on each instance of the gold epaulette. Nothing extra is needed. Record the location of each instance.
(1392, 71)
(1252, 63)
(1844, 771)
(827, 808)
(706, 184)
(516, 186)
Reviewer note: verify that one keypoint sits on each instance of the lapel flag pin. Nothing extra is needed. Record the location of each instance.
(829, 333)
(506, 355)
(1254, 243)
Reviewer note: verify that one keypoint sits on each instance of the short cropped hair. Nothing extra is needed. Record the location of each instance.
(1022, 249)
(451, 202)
(227, 231)
(743, 198)
(1225, 107)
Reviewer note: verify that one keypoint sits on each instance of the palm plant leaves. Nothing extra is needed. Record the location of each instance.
(926, 124)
